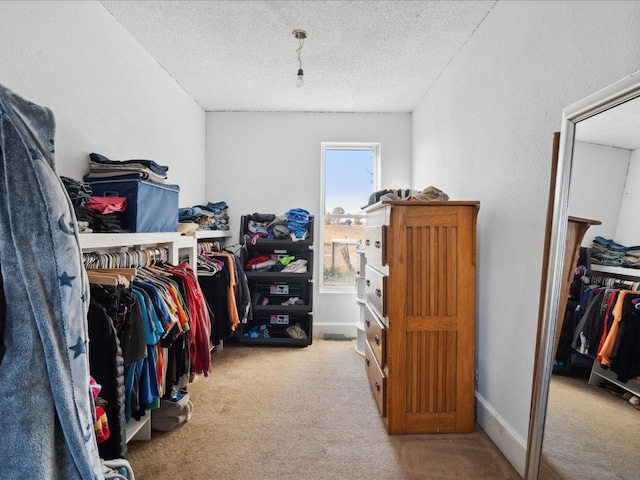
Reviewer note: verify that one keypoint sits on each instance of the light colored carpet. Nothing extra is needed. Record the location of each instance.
(589, 433)
(303, 413)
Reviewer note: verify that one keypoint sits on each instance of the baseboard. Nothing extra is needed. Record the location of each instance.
(334, 330)
(512, 446)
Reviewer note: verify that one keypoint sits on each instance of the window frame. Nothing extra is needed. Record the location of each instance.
(376, 147)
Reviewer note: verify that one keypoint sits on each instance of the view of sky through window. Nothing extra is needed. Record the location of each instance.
(348, 179)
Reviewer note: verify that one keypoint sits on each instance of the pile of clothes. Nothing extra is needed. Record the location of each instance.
(264, 331)
(430, 193)
(100, 168)
(284, 264)
(95, 214)
(212, 216)
(605, 251)
(293, 225)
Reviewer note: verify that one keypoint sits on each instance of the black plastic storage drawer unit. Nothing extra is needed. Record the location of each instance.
(282, 301)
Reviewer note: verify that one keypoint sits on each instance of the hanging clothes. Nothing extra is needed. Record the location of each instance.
(107, 367)
(625, 356)
(45, 368)
(200, 322)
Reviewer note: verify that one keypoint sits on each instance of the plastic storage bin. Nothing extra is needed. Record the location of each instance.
(151, 207)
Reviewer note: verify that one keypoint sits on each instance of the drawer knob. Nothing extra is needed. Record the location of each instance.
(378, 244)
(368, 282)
(376, 339)
(378, 292)
(367, 362)
(377, 385)
(368, 322)
(367, 242)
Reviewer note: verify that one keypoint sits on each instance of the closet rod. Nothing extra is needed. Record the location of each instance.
(126, 259)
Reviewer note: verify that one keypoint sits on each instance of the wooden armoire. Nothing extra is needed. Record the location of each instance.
(420, 284)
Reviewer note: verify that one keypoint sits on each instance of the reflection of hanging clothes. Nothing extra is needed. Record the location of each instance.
(587, 332)
(625, 357)
(607, 319)
(604, 355)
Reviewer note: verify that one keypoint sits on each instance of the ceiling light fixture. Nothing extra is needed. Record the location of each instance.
(300, 35)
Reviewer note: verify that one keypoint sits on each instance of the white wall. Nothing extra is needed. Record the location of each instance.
(107, 94)
(628, 230)
(271, 162)
(484, 132)
(598, 175)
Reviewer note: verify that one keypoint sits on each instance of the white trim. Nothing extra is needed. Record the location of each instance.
(377, 162)
(512, 445)
(347, 330)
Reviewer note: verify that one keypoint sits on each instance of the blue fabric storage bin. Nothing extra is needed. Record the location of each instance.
(151, 207)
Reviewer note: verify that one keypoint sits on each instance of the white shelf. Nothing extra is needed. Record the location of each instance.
(114, 240)
(206, 234)
(174, 242)
(631, 272)
(139, 429)
(598, 372)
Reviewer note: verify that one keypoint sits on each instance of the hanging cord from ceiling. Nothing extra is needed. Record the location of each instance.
(300, 35)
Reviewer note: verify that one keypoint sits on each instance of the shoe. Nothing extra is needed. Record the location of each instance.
(295, 331)
(297, 266)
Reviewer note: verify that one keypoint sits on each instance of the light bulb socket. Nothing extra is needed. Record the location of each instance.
(300, 73)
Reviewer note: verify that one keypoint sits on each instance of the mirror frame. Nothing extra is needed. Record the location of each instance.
(616, 94)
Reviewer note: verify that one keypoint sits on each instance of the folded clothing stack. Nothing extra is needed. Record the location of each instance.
(100, 167)
(212, 216)
(96, 216)
(79, 192)
(605, 251)
(430, 193)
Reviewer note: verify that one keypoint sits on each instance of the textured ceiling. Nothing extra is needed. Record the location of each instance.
(359, 56)
(617, 127)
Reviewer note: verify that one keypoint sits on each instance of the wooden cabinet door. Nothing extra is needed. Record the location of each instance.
(431, 318)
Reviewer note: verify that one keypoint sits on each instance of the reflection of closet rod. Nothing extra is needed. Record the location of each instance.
(613, 282)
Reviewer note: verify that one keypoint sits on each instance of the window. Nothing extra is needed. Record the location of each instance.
(349, 176)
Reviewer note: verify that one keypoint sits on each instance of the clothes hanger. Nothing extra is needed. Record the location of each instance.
(106, 279)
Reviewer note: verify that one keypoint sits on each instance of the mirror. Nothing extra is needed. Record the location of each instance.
(615, 110)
